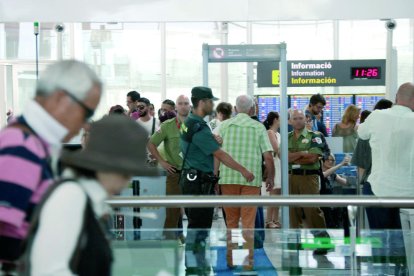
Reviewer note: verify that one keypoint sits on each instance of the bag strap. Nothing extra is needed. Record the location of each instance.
(153, 125)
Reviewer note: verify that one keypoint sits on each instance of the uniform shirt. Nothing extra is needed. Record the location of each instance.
(169, 133)
(245, 140)
(309, 141)
(390, 133)
(200, 153)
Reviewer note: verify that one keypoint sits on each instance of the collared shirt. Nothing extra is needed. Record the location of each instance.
(44, 125)
(245, 140)
(307, 141)
(390, 133)
(169, 133)
(200, 151)
(60, 224)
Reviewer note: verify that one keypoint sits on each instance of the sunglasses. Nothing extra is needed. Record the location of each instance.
(88, 111)
(141, 107)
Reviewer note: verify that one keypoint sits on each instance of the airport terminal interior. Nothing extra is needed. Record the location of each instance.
(354, 59)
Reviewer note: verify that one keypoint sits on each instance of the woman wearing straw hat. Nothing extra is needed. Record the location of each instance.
(67, 236)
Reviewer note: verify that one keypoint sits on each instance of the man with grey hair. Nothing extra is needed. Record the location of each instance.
(67, 94)
(246, 140)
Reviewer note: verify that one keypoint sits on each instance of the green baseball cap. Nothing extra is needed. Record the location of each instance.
(202, 92)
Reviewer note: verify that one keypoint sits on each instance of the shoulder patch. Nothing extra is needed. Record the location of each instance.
(317, 140)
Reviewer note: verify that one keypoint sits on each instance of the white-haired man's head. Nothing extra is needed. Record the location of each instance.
(72, 76)
(69, 91)
(245, 104)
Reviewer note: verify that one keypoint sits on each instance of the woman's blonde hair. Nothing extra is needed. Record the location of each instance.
(351, 114)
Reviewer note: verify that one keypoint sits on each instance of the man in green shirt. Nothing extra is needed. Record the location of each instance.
(305, 148)
(169, 133)
(200, 147)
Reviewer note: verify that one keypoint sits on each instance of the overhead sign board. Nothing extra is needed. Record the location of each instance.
(316, 73)
(243, 53)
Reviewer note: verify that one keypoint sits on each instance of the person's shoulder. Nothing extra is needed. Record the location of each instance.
(70, 191)
(14, 137)
(169, 122)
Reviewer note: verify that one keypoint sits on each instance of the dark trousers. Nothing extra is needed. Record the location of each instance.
(388, 223)
(381, 218)
(199, 224)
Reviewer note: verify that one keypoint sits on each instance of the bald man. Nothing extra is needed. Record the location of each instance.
(305, 148)
(390, 133)
(392, 172)
(169, 133)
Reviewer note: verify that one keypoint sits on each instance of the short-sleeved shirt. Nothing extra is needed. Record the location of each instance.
(390, 133)
(309, 141)
(362, 158)
(169, 133)
(203, 145)
(245, 140)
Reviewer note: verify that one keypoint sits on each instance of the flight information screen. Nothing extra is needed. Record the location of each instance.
(267, 104)
(367, 102)
(299, 102)
(334, 109)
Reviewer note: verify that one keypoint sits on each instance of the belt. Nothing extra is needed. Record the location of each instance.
(303, 172)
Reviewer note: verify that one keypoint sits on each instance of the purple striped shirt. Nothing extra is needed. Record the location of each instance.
(25, 175)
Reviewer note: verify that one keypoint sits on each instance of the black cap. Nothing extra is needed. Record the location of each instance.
(202, 92)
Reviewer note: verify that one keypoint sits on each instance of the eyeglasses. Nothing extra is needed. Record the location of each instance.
(88, 111)
(141, 107)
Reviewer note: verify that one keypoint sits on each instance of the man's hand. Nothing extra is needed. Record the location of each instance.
(248, 175)
(168, 167)
(218, 139)
(269, 184)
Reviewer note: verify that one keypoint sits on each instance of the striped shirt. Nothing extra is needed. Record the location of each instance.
(245, 140)
(25, 174)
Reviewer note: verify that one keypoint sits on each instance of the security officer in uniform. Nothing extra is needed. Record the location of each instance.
(199, 148)
(305, 149)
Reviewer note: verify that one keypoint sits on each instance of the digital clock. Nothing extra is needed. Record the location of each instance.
(365, 72)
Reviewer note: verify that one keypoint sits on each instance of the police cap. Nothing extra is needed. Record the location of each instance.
(202, 92)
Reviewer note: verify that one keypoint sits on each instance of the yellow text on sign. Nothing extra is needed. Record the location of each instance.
(275, 77)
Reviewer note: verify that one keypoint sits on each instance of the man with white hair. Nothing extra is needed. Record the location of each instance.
(246, 140)
(67, 94)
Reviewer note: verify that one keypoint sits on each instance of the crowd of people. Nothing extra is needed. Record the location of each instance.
(233, 154)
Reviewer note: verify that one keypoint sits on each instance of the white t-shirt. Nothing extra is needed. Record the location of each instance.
(148, 125)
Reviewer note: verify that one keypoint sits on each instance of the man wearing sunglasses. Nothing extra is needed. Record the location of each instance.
(67, 94)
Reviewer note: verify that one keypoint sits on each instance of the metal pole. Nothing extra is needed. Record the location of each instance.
(163, 61)
(205, 64)
(389, 76)
(224, 68)
(284, 131)
(36, 33)
(249, 68)
(297, 201)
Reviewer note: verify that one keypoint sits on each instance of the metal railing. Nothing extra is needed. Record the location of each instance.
(297, 201)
